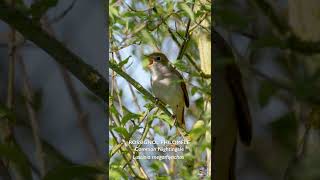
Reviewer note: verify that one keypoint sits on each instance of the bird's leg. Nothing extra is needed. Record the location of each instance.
(174, 117)
(157, 100)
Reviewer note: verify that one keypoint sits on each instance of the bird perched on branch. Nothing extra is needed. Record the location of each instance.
(168, 85)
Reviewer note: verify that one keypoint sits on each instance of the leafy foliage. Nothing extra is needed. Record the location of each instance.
(141, 27)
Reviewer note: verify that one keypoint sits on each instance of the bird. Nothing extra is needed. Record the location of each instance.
(168, 86)
(231, 113)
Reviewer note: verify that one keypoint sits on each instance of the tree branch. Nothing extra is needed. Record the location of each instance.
(268, 11)
(33, 120)
(138, 86)
(91, 78)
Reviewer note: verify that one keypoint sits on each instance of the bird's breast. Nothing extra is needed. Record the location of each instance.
(167, 89)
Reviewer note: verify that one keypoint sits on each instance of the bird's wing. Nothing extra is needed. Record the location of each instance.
(183, 87)
(234, 79)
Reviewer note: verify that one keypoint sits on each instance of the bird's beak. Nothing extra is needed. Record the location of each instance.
(150, 59)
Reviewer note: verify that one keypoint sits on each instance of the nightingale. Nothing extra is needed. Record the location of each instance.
(168, 86)
(231, 115)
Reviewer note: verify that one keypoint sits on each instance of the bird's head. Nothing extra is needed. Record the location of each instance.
(157, 58)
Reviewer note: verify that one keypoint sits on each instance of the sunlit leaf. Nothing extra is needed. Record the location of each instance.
(166, 118)
(123, 131)
(129, 116)
(187, 9)
(198, 129)
(115, 149)
(122, 63)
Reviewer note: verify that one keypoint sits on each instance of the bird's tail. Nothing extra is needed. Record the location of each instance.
(180, 117)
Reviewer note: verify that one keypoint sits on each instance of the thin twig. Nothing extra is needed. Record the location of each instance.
(199, 23)
(6, 129)
(189, 57)
(33, 119)
(126, 158)
(134, 97)
(300, 152)
(63, 14)
(140, 121)
(130, 149)
(268, 11)
(82, 115)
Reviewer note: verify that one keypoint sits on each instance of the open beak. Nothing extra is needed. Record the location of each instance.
(150, 61)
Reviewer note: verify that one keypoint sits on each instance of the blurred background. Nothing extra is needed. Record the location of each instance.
(276, 45)
(71, 120)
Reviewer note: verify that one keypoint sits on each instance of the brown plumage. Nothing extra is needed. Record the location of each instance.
(168, 85)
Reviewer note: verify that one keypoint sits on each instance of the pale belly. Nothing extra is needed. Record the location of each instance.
(168, 91)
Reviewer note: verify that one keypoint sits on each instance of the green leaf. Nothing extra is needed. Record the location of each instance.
(199, 103)
(115, 149)
(156, 165)
(38, 8)
(73, 172)
(18, 158)
(265, 93)
(149, 106)
(133, 129)
(166, 118)
(123, 131)
(198, 129)
(194, 90)
(187, 9)
(162, 178)
(146, 37)
(180, 65)
(113, 110)
(129, 116)
(122, 63)
(158, 130)
(117, 172)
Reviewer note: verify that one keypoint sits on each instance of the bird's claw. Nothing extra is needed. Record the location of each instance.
(174, 117)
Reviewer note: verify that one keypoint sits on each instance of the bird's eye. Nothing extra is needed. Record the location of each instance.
(158, 58)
